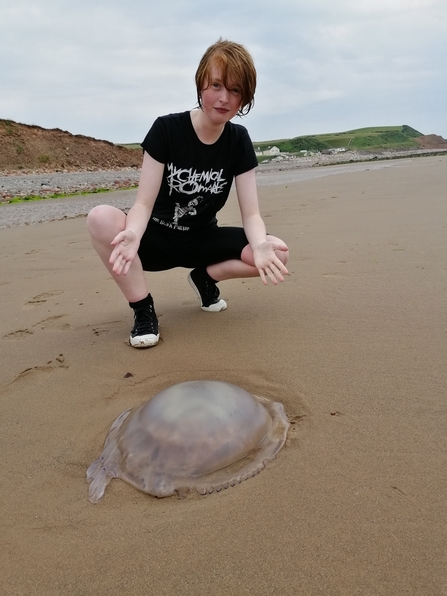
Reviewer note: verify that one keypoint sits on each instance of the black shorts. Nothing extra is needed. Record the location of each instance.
(162, 248)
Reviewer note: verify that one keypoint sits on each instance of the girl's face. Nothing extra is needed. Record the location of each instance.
(220, 103)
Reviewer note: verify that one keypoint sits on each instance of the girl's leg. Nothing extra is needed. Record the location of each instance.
(104, 223)
(245, 267)
(204, 279)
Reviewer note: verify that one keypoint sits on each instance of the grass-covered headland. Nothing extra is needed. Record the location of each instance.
(361, 139)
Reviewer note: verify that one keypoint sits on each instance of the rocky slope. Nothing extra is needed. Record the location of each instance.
(26, 147)
(432, 142)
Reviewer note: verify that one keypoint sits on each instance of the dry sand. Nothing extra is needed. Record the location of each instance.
(353, 344)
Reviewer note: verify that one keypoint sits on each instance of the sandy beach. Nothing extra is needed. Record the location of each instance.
(352, 344)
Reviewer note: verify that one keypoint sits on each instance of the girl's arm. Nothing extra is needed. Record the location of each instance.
(148, 187)
(264, 249)
(127, 242)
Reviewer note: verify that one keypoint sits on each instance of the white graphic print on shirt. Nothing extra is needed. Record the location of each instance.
(190, 209)
(188, 181)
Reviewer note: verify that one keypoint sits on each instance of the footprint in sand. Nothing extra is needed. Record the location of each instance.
(35, 251)
(18, 334)
(50, 324)
(53, 323)
(106, 327)
(58, 362)
(40, 298)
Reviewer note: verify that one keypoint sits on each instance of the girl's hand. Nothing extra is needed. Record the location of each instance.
(126, 247)
(267, 262)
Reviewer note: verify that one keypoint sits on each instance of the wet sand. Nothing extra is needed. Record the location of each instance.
(353, 344)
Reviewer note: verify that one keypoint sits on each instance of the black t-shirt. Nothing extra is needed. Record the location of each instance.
(197, 177)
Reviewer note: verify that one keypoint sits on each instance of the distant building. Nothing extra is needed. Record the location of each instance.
(269, 151)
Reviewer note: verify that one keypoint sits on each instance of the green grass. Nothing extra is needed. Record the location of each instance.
(129, 145)
(61, 195)
(364, 139)
(372, 138)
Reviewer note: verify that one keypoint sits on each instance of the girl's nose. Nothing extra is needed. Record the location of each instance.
(224, 94)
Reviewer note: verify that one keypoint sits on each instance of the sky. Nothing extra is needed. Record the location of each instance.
(107, 68)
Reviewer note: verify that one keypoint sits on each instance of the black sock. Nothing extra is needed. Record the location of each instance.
(145, 302)
(208, 277)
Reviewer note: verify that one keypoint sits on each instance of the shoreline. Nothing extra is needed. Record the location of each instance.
(76, 205)
(46, 183)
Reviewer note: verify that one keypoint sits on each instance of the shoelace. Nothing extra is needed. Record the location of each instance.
(211, 292)
(146, 321)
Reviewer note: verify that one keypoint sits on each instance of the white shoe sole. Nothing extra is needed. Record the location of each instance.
(221, 305)
(144, 341)
(217, 307)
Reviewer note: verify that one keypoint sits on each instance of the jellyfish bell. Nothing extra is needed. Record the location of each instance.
(197, 436)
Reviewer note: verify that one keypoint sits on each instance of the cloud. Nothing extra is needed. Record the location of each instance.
(108, 68)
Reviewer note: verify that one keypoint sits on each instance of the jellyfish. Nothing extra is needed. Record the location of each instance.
(195, 436)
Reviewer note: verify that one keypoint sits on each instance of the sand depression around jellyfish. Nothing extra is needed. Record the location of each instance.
(199, 436)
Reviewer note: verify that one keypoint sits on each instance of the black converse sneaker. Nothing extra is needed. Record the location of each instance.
(145, 330)
(207, 291)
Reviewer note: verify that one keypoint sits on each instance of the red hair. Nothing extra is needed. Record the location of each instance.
(237, 68)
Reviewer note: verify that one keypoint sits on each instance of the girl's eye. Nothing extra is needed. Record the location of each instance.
(236, 91)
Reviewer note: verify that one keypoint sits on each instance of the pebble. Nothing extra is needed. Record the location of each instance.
(38, 184)
(45, 210)
(45, 184)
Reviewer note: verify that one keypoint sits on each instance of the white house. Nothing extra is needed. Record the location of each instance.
(269, 151)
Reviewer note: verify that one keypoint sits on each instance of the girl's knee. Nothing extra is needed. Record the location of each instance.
(283, 255)
(94, 217)
(247, 256)
(105, 219)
